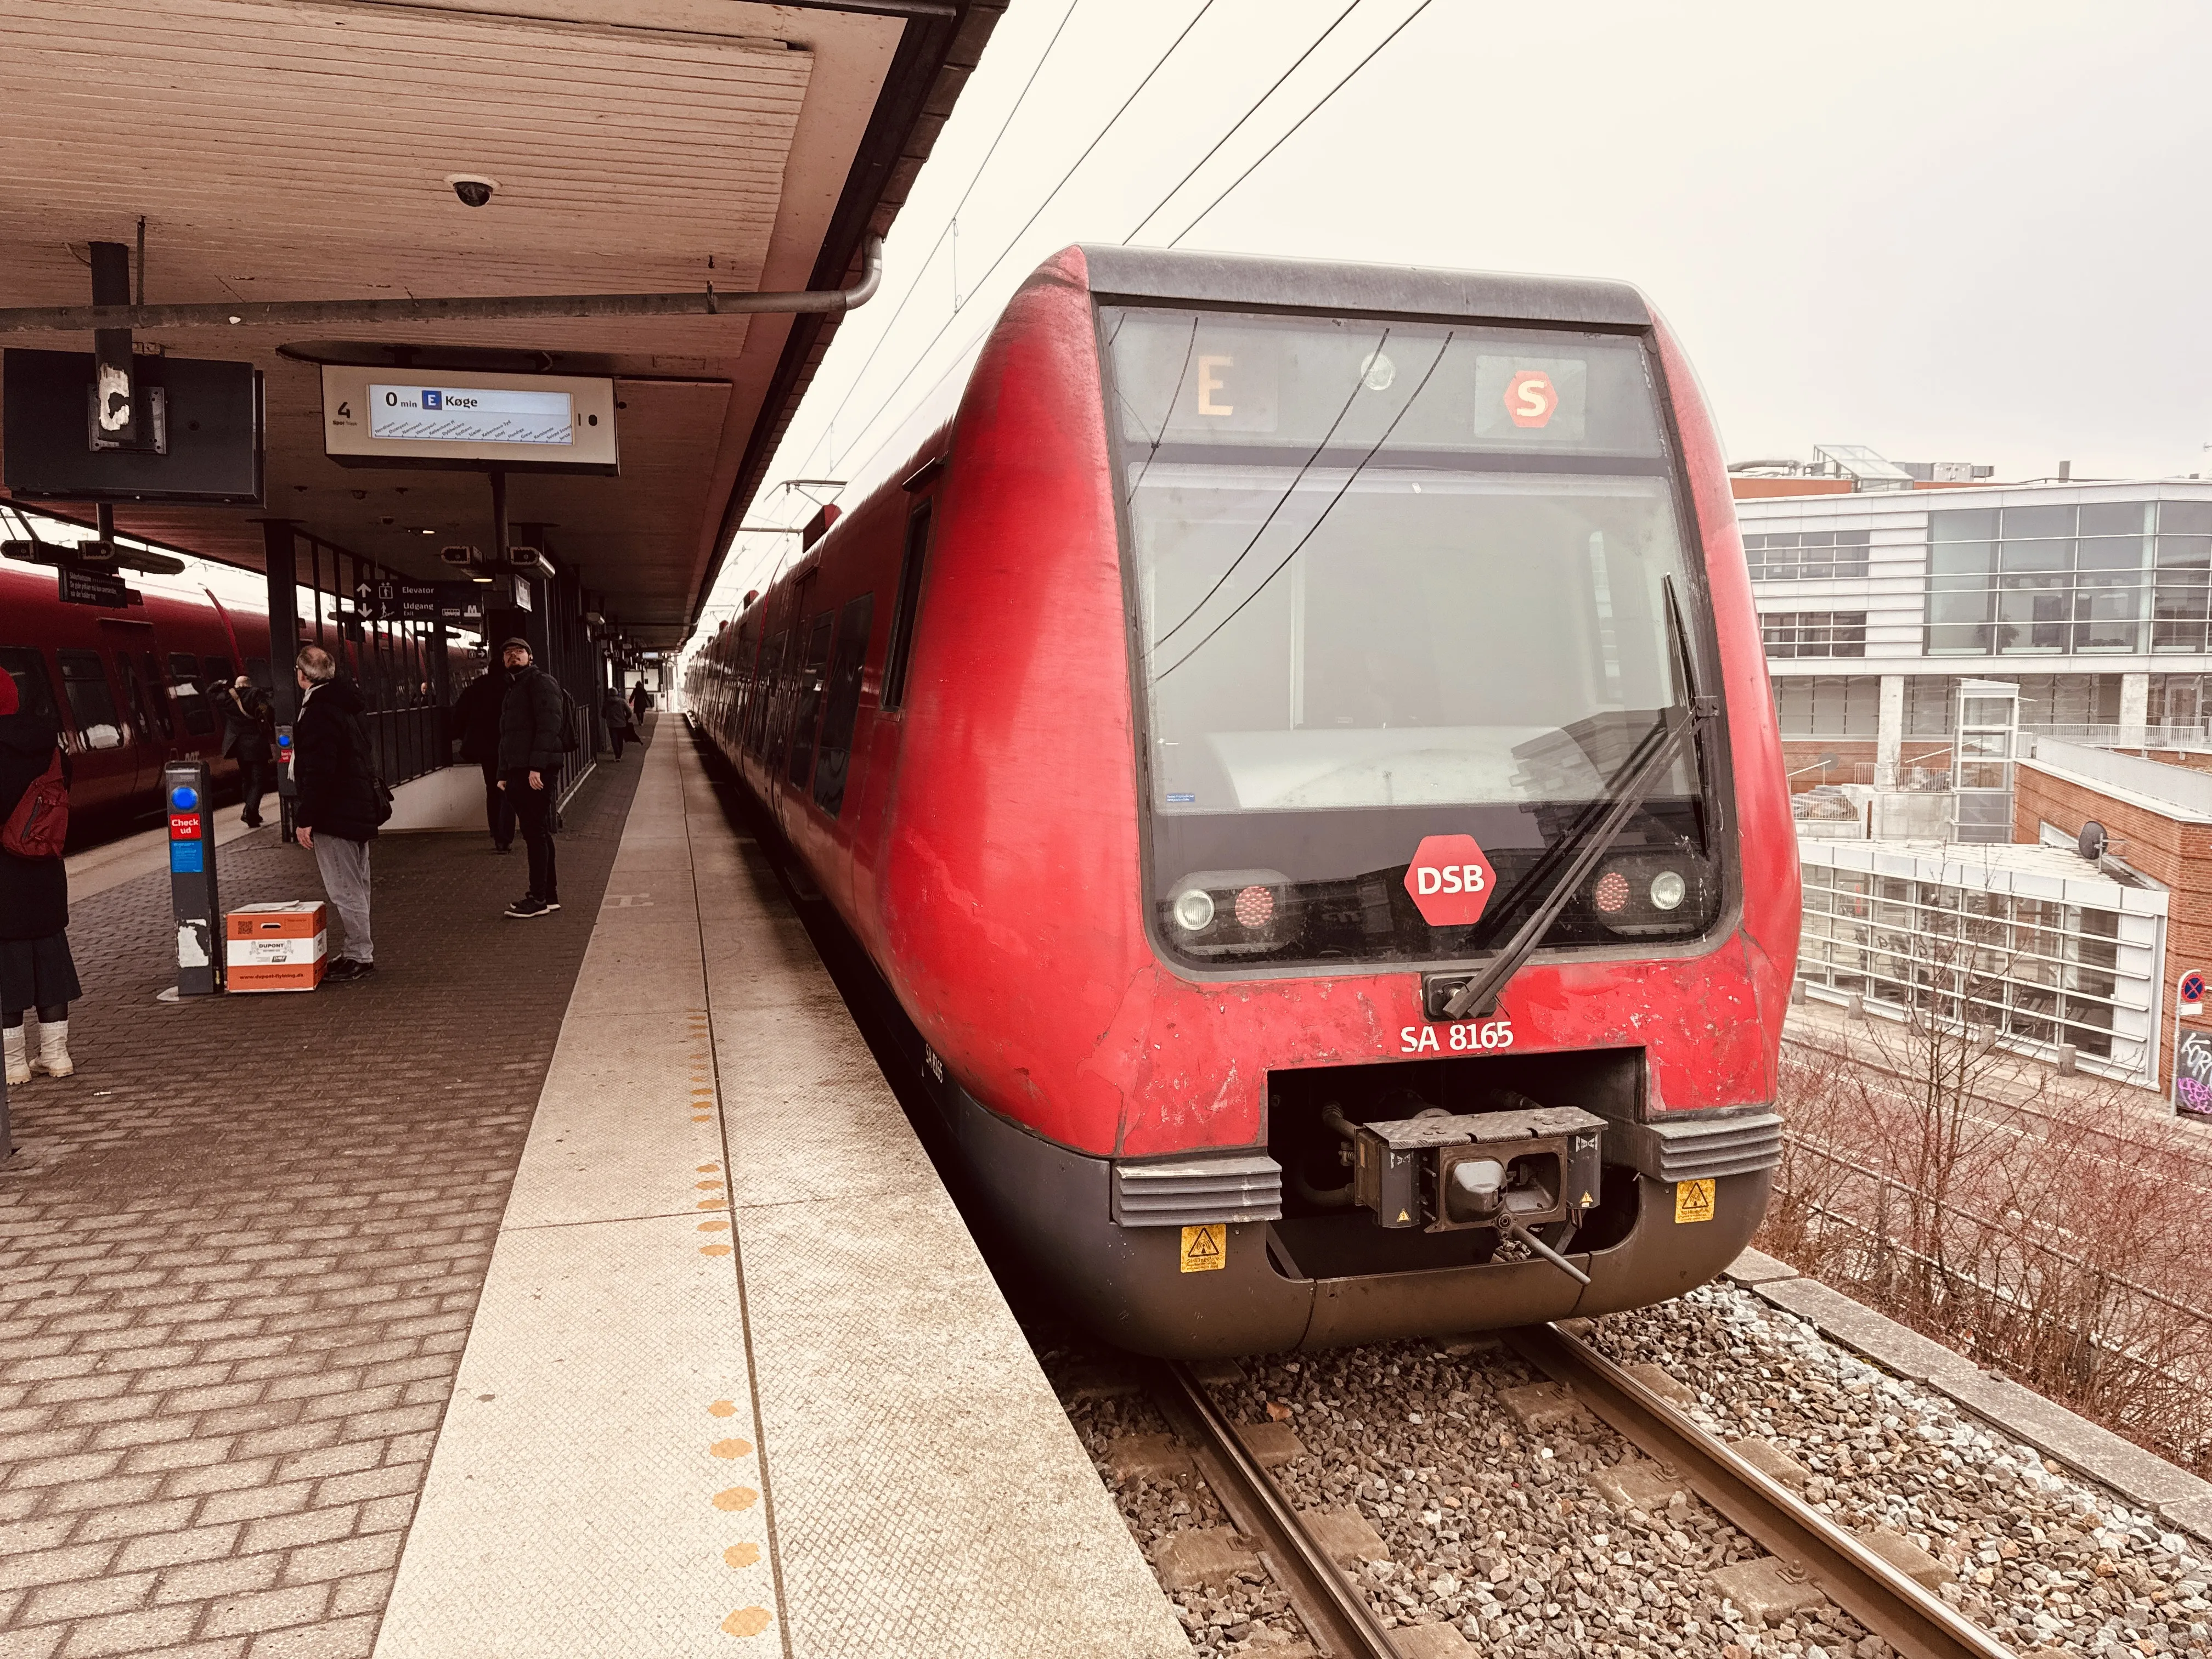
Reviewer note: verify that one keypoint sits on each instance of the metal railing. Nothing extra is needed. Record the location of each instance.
(2192, 739)
(2123, 1352)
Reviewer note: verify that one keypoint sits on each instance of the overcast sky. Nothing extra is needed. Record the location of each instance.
(1949, 231)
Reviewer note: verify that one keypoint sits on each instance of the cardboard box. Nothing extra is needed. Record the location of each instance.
(277, 947)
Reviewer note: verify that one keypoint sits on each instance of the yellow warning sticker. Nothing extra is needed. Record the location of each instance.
(1205, 1248)
(1693, 1200)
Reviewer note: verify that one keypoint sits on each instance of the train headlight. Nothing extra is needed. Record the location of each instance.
(1668, 890)
(1194, 910)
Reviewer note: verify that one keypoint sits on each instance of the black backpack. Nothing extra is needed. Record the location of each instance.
(568, 721)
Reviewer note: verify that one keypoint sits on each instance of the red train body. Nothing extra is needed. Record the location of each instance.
(131, 689)
(1114, 720)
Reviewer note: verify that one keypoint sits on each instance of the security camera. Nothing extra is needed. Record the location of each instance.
(473, 188)
(462, 556)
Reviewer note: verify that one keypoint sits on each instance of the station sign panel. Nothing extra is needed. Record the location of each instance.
(401, 601)
(387, 416)
(101, 587)
(206, 434)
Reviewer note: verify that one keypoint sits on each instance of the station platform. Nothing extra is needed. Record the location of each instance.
(571, 1286)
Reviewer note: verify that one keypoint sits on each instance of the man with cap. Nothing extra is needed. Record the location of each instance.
(533, 732)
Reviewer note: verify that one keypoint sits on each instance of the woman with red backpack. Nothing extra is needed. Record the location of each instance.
(36, 969)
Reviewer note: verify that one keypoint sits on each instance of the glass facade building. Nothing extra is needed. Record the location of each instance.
(2090, 578)
(2095, 599)
(2023, 940)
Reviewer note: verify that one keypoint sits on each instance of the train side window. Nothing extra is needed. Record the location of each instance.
(218, 673)
(832, 765)
(764, 692)
(91, 700)
(903, 617)
(807, 706)
(256, 670)
(184, 672)
(157, 703)
(34, 693)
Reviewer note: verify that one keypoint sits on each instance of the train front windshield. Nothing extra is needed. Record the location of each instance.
(1394, 581)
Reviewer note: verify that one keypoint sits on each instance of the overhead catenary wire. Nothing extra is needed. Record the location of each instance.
(1014, 241)
(1350, 478)
(1281, 501)
(923, 356)
(830, 427)
(973, 180)
(1302, 120)
(1251, 109)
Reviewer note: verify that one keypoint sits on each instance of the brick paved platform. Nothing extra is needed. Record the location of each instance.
(239, 1251)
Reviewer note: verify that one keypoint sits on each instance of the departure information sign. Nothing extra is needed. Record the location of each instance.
(470, 415)
(479, 419)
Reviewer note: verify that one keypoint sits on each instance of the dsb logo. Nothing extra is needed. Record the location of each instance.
(1449, 878)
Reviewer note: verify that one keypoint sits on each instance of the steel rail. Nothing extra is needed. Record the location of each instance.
(297, 314)
(1336, 1615)
(1916, 1624)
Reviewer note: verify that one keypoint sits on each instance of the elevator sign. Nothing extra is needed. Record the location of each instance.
(1450, 880)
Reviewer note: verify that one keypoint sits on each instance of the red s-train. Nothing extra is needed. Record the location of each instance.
(1264, 651)
(132, 689)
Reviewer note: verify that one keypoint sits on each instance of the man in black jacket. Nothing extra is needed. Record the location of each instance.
(246, 722)
(339, 807)
(534, 733)
(476, 712)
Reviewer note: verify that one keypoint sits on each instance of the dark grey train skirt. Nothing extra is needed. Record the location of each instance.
(36, 973)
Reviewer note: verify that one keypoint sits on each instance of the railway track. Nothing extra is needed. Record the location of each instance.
(1810, 1547)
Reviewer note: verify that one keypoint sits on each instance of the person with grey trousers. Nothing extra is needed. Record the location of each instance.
(533, 740)
(339, 807)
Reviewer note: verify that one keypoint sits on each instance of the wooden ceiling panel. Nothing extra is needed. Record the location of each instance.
(299, 150)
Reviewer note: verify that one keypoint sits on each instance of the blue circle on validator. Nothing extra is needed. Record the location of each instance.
(184, 797)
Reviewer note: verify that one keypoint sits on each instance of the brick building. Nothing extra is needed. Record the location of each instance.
(2159, 817)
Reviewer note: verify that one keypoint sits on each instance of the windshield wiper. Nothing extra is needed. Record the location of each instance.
(1635, 782)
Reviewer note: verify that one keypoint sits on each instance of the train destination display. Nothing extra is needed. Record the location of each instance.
(477, 419)
(470, 415)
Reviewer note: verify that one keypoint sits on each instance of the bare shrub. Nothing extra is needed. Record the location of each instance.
(2036, 1230)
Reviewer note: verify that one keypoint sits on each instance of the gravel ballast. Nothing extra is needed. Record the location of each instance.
(1500, 1529)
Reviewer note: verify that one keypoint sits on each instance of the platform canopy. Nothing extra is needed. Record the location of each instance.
(303, 149)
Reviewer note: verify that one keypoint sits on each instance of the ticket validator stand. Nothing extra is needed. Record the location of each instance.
(192, 898)
(288, 789)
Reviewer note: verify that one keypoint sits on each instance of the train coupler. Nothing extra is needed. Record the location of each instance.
(1512, 1170)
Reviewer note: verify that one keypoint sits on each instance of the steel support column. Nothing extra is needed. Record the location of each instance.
(281, 564)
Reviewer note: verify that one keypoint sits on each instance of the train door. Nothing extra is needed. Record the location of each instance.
(807, 686)
(787, 678)
(164, 731)
(104, 765)
(148, 744)
(193, 706)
